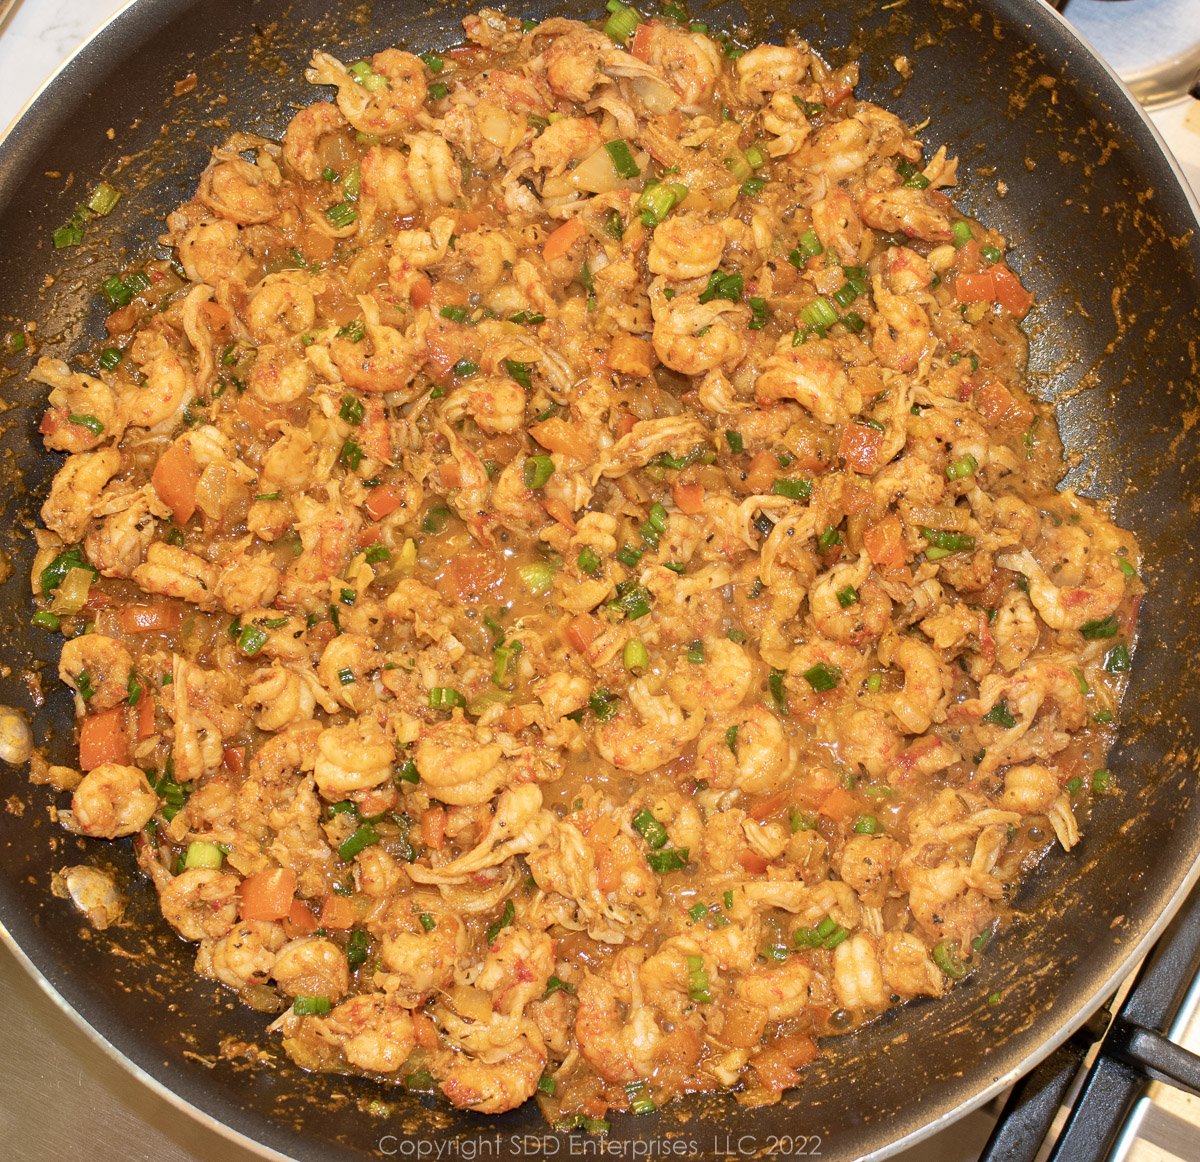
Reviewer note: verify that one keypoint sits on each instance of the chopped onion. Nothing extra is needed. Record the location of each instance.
(71, 596)
(655, 96)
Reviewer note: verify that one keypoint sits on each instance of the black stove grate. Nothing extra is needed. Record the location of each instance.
(1133, 1051)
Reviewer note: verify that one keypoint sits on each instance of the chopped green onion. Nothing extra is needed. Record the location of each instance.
(649, 828)
(408, 773)
(352, 454)
(735, 441)
(310, 1006)
(999, 716)
(346, 677)
(722, 286)
(635, 655)
(698, 983)
(364, 836)
(342, 215)
(758, 309)
(962, 234)
(657, 201)
(945, 956)
(823, 676)
(537, 577)
(632, 600)
(455, 314)
(445, 698)
(819, 313)
(810, 244)
(355, 331)
(778, 694)
(497, 926)
(352, 410)
(736, 636)
(356, 948)
(622, 158)
(435, 520)
(251, 640)
(629, 556)
(669, 860)
(464, 368)
(621, 24)
(695, 653)
(201, 854)
(44, 619)
(92, 424)
(866, 825)
(951, 542)
(589, 560)
(603, 704)
(433, 61)
(847, 596)
(1101, 779)
(345, 807)
(731, 738)
(991, 254)
(538, 469)
(546, 1085)
(1126, 567)
(828, 539)
(103, 200)
(1106, 628)
(1074, 785)
(377, 553)
(519, 371)
(794, 487)
(961, 468)
(1117, 660)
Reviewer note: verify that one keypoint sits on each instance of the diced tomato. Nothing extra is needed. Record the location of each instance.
(234, 757)
(630, 355)
(104, 738)
(688, 498)
(581, 632)
(1010, 294)
(215, 315)
(627, 424)
(975, 288)
(433, 827)
(764, 468)
(835, 95)
(381, 501)
(267, 895)
(421, 292)
(299, 921)
(175, 479)
(557, 508)
(752, 862)
(425, 1031)
(884, 542)
(164, 618)
(367, 536)
(860, 447)
(765, 808)
(774, 1073)
(559, 435)
(145, 713)
(337, 912)
(643, 39)
(450, 473)
(839, 805)
(562, 239)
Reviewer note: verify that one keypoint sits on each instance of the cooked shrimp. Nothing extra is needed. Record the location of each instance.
(76, 488)
(112, 800)
(662, 732)
(303, 136)
(820, 384)
(389, 104)
(97, 668)
(686, 246)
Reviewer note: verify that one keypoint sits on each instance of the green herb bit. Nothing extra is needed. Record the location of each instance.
(999, 716)
(649, 828)
(822, 677)
(364, 836)
(538, 469)
(778, 694)
(1104, 628)
(352, 410)
(445, 698)
(945, 956)
(310, 1006)
(589, 560)
(1117, 660)
(668, 860)
(497, 926)
(793, 487)
(603, 704)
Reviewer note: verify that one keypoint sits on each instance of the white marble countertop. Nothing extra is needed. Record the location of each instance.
(61, 1097)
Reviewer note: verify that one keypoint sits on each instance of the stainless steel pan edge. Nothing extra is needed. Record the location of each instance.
(118, 40)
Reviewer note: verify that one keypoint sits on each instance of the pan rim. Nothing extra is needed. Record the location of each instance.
(1020, 11)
